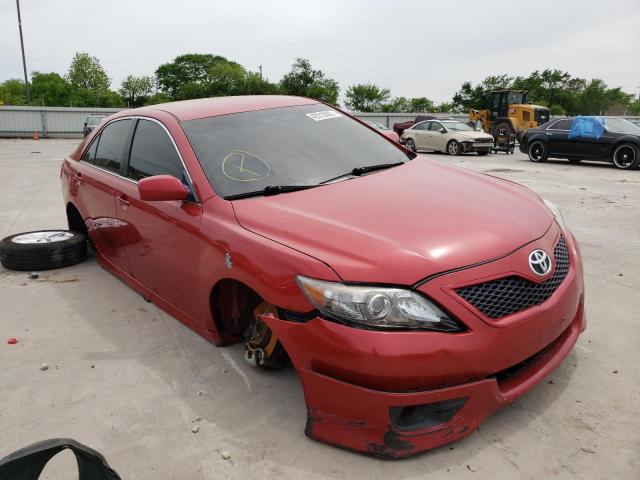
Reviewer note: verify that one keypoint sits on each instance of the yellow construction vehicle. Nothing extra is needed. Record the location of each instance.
(507, 112)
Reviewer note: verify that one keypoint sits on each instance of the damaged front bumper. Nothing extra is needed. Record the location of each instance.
(395, 394)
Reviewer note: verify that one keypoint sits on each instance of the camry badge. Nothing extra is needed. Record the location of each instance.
(540, 262)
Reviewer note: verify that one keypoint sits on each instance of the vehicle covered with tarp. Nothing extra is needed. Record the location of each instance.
(607, 139)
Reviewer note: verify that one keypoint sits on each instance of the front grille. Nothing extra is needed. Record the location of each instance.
(505, 296)
(483, 140)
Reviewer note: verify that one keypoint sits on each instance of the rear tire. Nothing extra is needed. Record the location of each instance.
(626, 157)
(43, 250)
(538, 152)
(453, 148)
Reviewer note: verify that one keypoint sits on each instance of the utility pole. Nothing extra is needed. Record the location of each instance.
(260, 67)
(24, 62)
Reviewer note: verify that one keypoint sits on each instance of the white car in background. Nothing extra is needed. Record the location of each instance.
(450, 136)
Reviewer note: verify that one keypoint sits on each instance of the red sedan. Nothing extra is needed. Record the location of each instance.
(413, 298)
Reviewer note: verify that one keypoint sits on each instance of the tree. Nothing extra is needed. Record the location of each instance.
(444, 107)
(187, 75)
(397, 104)
(157, 98)
(86, 73)
(304, 81)
(50, 89)
(421, 104)
(12, 92)
(470, 96)
(135, 89)
(366, 97)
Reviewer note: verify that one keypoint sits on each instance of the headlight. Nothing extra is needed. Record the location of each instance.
(558, 214)
(377, 307)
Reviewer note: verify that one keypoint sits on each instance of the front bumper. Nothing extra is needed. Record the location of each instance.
(476, 147)
(354, 379)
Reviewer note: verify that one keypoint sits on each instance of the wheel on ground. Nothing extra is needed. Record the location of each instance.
(410, 144)
(43, 250)
(502, 129)
(626, 156)
(453, 148)
(538, 152)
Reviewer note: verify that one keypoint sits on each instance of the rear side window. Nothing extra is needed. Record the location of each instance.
(90, 154)
(562, 125)
(111, 145)
(153, 153)
(435, 126)
(421, 126)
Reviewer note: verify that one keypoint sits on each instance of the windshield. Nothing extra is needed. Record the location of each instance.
(516, 97)
(620, 125)
(457, 126)
(302, 145)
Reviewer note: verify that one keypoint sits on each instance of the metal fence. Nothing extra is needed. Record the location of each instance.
(67, 122)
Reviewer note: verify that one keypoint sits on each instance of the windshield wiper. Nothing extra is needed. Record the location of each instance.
(356, 172)
(270, 190)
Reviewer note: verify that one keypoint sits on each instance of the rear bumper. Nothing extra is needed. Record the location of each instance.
(359, 419)
(356, 381)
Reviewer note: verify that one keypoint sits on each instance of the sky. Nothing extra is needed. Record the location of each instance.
(414, 48)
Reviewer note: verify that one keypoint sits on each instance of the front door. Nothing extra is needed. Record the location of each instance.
(168, 251)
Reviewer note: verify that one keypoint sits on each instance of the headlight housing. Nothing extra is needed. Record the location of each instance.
(376, 307)
(555, 210)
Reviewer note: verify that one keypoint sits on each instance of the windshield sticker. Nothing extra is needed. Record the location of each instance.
(324, 115)
(244, 166)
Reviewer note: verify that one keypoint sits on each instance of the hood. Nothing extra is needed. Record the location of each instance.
(473, 134)
(400, 225)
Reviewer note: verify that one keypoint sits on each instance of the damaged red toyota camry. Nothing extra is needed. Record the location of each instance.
(413, 298)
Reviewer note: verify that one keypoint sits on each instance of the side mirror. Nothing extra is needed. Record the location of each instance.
(442, 130)
(161, 188)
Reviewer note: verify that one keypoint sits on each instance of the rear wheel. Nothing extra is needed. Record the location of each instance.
(453, 148)
(410, 144)
(626, 156)
(502, 128)
(538, 152)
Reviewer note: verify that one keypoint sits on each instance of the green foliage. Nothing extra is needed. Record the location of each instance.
(50, 89)
(86, 73)
(634, 107)
(366, 97)
(397, 104)
(304, 81)
(135, 90)
(562, 93)
(157, 98)
(12, 92)
(421, 104)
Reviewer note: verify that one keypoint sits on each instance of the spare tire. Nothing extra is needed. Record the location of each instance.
(43, 250)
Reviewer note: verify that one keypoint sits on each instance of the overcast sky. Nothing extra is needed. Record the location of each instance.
(415, 48)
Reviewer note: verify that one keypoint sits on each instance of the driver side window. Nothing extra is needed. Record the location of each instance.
(153, 153)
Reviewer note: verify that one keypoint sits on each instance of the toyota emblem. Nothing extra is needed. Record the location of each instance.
(540, 262)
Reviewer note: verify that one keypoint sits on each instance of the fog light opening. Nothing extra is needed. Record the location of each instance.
(427, 415)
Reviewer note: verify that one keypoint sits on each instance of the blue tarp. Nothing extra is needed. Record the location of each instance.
(586, 127)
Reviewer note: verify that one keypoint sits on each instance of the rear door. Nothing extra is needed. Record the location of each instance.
(166, 256)
(421, 135)
(97, 183)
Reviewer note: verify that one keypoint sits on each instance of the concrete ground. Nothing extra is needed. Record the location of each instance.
(124, 377)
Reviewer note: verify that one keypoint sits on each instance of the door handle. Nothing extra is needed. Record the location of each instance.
(78, 178)
(123, 200)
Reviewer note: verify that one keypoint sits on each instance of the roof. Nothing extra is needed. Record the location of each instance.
(186, 110)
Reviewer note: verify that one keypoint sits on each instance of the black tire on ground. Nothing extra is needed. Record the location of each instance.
(453, 148)
(538, 151)
(626, 156)
(410, 144)
(42, 250)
